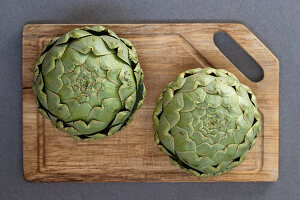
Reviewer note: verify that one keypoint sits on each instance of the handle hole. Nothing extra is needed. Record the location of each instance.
(238, 57)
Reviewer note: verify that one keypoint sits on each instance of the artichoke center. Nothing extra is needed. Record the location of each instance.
(84, 84)
(212, 123)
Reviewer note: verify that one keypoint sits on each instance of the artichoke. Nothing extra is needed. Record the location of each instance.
(206, 121)
(89, 82)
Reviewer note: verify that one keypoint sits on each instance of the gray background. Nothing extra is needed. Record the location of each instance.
(276, 23)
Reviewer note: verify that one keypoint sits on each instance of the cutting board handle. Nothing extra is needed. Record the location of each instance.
(204, 43)
(247, 41)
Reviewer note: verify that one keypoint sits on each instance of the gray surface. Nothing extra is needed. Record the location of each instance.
(276, 23)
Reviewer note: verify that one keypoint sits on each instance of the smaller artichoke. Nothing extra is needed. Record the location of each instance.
(89, 82)
(206, 121)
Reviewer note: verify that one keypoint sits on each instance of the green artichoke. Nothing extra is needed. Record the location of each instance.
(206, 121)
(89, 82)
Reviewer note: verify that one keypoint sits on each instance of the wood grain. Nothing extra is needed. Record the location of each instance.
(165, 50)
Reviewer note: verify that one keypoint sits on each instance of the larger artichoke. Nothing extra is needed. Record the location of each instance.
(89, 82)
(206, 121)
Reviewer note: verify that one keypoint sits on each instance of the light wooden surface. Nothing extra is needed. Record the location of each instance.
(165, 50)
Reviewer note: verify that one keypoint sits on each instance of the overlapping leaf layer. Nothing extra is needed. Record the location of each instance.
(206, 121)
(89, 82)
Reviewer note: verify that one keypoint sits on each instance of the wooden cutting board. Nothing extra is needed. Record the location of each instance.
(165, 50)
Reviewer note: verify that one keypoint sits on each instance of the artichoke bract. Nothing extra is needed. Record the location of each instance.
(206, 121)
(89, 82)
